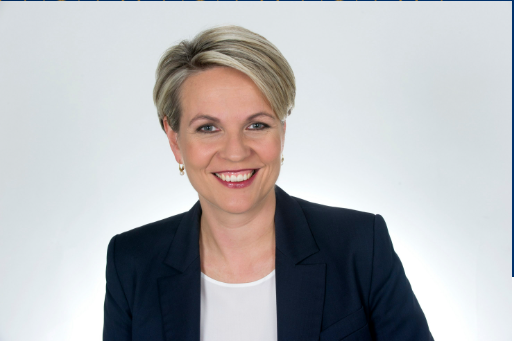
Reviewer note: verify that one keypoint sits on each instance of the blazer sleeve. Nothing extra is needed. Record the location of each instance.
(395, 311)
(117, 315)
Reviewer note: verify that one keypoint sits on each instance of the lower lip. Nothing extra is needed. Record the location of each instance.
(238, 185)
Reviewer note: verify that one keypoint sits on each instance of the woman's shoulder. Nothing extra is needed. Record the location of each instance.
(341, 229)
(150, 238)
(320, 214)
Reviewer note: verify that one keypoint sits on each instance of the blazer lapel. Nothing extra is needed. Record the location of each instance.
(300, 288)
(180, 292)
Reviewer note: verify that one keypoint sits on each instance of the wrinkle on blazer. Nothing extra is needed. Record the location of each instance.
(337, 278)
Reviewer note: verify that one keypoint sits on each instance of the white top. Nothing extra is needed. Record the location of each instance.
(238, 311)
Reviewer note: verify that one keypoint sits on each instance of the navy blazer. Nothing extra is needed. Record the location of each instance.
(337, 277)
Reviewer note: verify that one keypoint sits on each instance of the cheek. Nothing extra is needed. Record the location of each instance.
(197, 154)
(269, 152)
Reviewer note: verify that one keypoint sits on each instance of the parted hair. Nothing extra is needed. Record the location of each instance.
(227, 46)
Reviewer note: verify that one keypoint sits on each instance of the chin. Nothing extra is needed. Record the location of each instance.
(236, 205)
(236, 201)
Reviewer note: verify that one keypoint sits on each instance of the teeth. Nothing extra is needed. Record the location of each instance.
(235, 178)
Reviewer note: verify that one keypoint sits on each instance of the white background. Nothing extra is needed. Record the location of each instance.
(403, 109)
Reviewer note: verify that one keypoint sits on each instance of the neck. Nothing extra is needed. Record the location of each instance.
(237, 247)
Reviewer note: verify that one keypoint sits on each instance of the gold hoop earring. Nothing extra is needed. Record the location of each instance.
(282, 161)
(181, 168)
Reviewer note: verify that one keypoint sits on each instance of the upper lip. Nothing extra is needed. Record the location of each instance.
(234, 171)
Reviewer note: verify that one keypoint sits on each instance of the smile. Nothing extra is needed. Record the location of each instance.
(235, 176)
(236, 179)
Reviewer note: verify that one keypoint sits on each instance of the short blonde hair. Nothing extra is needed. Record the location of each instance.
(228, 46)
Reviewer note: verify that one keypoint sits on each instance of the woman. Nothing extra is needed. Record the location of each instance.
(248, 261)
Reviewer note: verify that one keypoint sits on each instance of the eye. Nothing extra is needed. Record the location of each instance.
(258, 126)
(207, 129)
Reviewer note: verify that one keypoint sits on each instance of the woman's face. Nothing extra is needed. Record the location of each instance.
(230, 140)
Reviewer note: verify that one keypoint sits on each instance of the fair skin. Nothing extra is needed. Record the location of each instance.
(228, 130)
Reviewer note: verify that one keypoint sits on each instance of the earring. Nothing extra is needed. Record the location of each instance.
(282, 161)
(181, 168)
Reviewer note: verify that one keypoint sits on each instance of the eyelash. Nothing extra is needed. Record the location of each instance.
(200, 129)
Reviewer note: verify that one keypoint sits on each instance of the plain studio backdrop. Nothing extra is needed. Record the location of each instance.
(402, 109)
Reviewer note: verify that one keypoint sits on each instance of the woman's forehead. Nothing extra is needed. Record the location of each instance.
(224, 93)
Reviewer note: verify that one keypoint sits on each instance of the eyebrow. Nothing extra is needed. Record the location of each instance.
(202, 116)
(216, 120)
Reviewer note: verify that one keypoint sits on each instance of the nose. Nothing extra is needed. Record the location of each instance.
(234, 147)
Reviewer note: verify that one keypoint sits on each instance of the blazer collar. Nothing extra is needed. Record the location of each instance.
(292, 233)
(184, 248)
(300, 289)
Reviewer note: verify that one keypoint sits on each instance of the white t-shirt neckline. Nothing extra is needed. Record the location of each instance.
(239, 285)
(238, 311)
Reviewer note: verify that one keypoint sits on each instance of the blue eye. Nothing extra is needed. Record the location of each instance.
(207, 128)
(258, 126)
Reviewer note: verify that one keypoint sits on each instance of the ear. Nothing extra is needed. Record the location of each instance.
(173, 140)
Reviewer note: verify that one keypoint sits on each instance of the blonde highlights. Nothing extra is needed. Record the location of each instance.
(226, 46)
